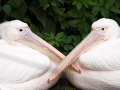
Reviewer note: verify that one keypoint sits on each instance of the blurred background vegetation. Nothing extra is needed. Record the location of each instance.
(62, 23)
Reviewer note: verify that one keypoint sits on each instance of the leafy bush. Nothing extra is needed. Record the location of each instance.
(62, 23)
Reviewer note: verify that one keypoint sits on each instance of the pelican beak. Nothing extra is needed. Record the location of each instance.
(29, 38)
(92, 39)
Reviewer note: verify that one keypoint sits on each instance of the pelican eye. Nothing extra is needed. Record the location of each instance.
(20, 30)
(102, 29)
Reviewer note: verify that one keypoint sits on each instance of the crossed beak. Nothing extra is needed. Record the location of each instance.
(92, 39)
(35, 42)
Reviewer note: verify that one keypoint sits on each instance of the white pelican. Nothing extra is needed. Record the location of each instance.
(98, 57)
(26, 61)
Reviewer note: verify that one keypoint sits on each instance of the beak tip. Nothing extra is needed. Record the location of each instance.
(79, 71)
(49, 80)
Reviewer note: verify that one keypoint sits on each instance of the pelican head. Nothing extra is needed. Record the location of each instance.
(18, 33)
(108, 27)
(13, 29)
(102, 31)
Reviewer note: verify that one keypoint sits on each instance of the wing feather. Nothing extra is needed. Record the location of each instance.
(104, 59)
(18, 64)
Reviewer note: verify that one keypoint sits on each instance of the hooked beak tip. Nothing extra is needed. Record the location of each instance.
(49, 80)
(79, 71)
(52, 77)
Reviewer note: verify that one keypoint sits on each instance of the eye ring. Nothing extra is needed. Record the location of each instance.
(20, 30)
(102, 29)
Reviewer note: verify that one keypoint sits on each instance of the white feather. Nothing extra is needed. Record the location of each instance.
(100, 65)
(21, 67)
(103, 59)
(4, 88)
(20, 64)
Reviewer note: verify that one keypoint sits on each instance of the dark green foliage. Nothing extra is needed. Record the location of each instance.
(62, 23)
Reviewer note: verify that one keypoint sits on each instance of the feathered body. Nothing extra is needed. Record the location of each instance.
(100, 65)
(98, 57)
(99, 69)
(22, 67)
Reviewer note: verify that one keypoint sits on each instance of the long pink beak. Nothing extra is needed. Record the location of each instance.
(92, 39)
(42, 46)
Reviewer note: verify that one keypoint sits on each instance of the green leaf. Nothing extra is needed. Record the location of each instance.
(34, 28)
(42, 1)
(59, 35)
(92, 18)
(26, 19)
(66, 47)
(52, 43)
(90, 2)
(47, 35)
(13, 14)
(74, 13)
(86, 27)
(104, 12)
(76, 21)
(22, 10)
(15, 3)
(59, 18)
(95, 9)
(81, 27)
(117, 4)
(53, 3)
(84, 35)
(63, 26)
(79, 5)
(7, 9)
(50, 26)
(35, 2)
(70, 47)
(85, 4)
(59, 10)
(72, 24)
(57, 44)
(65, 53)
(61, 1)
(109, 4)
(46, 6)
(48, 38)
(60, 40)
(76, 40)
(40, 14)
(75, 2)
(101, 2)
(52, 35)
(68, 39)
(115, 9)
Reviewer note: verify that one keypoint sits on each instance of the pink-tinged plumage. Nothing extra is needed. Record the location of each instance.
(99, 62)
(26, 61)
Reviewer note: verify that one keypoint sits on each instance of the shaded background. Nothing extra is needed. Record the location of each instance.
(62, 23)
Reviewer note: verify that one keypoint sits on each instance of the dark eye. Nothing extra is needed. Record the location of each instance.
(20, 30)
(102, 29)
